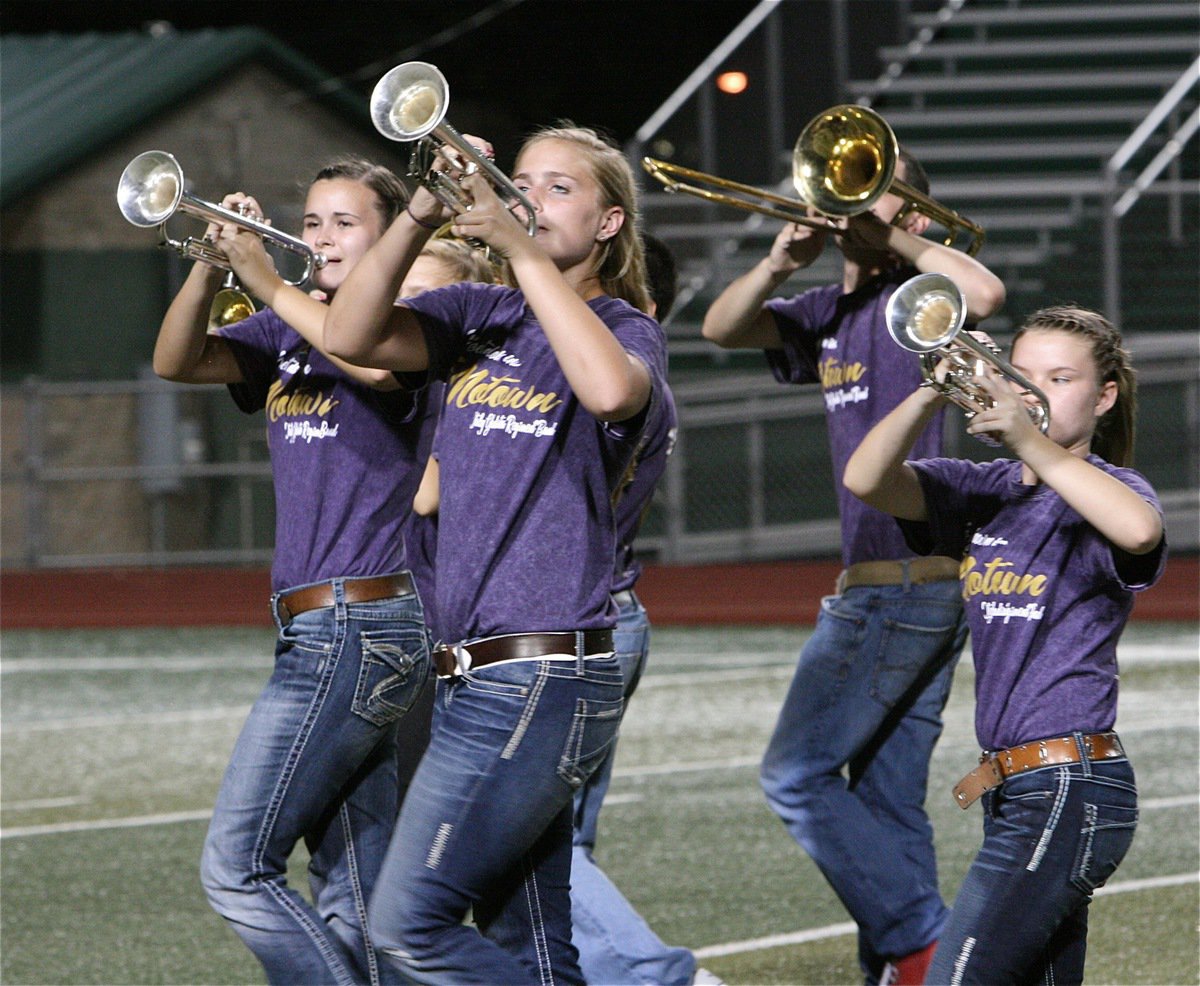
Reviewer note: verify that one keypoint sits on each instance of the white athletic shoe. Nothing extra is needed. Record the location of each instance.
(703, 977)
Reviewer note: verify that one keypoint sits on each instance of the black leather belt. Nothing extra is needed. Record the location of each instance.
(521, 646)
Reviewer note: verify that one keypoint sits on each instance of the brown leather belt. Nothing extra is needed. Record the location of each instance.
(356, 591)
(910, 571)
(995, 767)
(519, 646)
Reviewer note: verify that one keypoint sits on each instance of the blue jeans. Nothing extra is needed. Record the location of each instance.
(317, 760)
(486, 827)
(1050, 837)
(867, 697)
(615, 944)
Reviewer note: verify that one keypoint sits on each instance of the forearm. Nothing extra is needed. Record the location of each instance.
(1116, 511)
(306, 315)
(736, 320)
(877, 472)
(607, 382)
(182, 336)
(983, 290)
(362, 320)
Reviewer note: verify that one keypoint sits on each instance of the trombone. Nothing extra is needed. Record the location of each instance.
(925, 315)
(843, 162)
(409, 105)
(151, 190)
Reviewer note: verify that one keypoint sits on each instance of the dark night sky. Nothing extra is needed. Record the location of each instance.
(544, 58)
(608, 64)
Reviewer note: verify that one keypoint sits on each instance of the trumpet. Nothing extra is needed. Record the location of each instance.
(843, 162)
(925, 315)
(152, 190)
(409, 105)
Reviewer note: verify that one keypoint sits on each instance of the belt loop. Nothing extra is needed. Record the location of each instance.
(580, 651)
(905, 573)
(276, 616)
(339, 598)
(1084, 746)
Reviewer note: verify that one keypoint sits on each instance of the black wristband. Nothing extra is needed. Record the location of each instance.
(421, 222)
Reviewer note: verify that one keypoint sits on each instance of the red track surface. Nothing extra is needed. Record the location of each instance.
(769, 592)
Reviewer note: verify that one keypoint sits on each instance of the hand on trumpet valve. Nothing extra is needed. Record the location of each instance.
(489, 220)
(1006, 415)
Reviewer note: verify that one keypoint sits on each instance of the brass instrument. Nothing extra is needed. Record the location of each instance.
(925, 315)
(152, 190)
(230, 304)
(409, 105)
(843, 162)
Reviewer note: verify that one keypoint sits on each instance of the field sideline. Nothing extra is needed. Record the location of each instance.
(114, 741)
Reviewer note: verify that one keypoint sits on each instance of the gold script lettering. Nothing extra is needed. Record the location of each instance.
(297, 404)
(834, 373)
(994, 581)
(477, 386)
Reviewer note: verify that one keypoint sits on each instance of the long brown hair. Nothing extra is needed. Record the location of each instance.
(622, 265)
(1113, 439)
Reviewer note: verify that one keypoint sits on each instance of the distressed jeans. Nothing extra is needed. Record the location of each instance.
(847, 767)
(615, 943)
(317, 759)
(486, 827)
(1051, 836)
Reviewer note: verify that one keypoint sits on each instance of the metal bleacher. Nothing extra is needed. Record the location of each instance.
(1030, 116)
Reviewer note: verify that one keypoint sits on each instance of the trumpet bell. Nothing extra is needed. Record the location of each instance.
(409, 105)
(410, 101)
(150, 188)
(926, 313)
(229, 305)
(844, 160)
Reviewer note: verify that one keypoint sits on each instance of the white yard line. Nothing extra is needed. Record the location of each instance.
(849, 927)
(93, 825)
(130, 719)
(135, 821)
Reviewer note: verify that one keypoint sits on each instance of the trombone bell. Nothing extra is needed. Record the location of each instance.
(844, 160)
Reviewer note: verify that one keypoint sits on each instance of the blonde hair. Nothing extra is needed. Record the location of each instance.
(622, 264)
(464, 262)
(1113, 439)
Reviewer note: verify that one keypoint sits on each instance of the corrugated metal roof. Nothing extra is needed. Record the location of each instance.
(62, 96)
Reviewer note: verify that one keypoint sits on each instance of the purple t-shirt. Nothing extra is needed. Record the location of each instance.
(420, 533)
(841, 341)
(526, 530)
(638, 485)
(1045, 594)
(343, 456)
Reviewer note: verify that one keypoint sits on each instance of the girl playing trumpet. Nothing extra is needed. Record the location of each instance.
(551, 384)
(1055, 543)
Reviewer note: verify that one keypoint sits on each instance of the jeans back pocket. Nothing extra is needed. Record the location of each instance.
(593, 729)
(1106, 836)
(393, 668)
